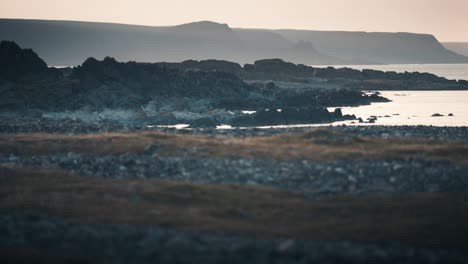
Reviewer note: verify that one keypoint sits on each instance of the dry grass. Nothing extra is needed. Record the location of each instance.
(439, 220)
(320, 144)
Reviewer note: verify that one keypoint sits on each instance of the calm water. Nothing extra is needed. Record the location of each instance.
(409, 108)
(449, 71)
(417, 108)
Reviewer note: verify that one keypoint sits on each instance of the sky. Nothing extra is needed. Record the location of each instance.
(446, 19)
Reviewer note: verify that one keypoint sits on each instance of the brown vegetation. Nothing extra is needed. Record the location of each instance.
(319, 144)
(422, 219)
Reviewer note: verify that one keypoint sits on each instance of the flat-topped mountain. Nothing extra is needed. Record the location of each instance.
(377, 47)
(202, 26)
(70, 43)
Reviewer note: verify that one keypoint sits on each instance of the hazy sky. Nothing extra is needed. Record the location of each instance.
(446, 19)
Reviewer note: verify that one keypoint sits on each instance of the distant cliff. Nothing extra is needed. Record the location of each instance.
(458, 47)
(70, 43)
(66, 43)
(387, 48)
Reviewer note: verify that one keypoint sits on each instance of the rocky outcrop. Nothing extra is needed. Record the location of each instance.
(23, 64)
(192, 92)
(26, 82)
(111, 84)
(139, 82)
(289, 116)
(367, 79)
(16, 62)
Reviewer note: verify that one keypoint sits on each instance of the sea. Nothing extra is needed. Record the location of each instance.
(411, 108)
(417, 107)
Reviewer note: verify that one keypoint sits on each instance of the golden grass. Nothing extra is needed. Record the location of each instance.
(421, 219)
(319, 144)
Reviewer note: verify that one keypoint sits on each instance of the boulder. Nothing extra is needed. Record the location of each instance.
(338, 113)
(371, 119)
(348, 117)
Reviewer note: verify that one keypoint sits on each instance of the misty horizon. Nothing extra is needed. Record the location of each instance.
(446, 20)
(223, 23)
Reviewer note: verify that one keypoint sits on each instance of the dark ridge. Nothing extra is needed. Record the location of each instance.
(68, 43)
(16, 62)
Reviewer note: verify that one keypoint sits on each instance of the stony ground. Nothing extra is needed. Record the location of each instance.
(126, 194)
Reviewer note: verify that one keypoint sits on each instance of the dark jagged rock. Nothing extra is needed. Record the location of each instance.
(130, 85)
(106, 83)
(290, 115)
(303, 97)
(206, 79)
(142, 81)
(367, 79)
(16, 62)
(338, 113)
(20, 64)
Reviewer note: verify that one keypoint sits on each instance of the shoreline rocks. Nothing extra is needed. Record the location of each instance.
(290, 115)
